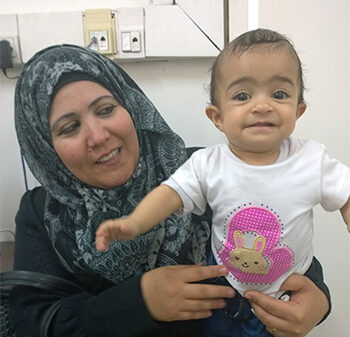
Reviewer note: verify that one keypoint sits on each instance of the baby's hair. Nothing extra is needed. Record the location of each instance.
(249, 40)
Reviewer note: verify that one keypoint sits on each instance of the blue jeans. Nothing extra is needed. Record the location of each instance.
(236, 320)
(221, 325)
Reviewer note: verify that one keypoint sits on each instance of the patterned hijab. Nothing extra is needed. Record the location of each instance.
(73, 209)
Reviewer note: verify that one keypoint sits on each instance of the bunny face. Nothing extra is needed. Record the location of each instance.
(248, 260)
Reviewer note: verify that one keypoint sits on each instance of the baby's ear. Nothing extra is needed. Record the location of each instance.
(215, 115)
(301, 109)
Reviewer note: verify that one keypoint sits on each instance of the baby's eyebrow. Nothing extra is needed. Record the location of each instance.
(250, 79)
(243, 79)
(285, 79)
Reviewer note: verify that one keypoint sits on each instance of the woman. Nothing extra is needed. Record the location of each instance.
(98, 145)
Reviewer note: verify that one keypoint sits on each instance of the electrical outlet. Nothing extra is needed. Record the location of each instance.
(13, 40)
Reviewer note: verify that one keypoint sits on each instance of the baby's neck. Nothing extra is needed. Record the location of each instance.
(257, 158)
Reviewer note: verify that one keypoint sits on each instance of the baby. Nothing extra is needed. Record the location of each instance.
(262, 184)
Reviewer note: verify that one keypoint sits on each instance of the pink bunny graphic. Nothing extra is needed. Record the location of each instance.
(266, 260)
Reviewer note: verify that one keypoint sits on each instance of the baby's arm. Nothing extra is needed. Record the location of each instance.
(345, 212)
(153, 208)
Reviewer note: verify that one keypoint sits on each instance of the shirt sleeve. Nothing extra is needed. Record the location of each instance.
(186, 181)
(110, 311)
(335, 183)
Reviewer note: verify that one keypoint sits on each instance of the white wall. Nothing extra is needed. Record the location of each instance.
(321, 32)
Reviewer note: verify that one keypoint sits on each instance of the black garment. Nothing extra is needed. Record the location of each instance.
(104, 309)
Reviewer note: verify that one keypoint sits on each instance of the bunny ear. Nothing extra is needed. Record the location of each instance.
(239, 239)
(259, 244)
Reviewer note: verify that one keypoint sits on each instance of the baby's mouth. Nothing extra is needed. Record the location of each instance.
(261, 125)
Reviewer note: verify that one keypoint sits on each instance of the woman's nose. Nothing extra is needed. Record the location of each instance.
(96, 133)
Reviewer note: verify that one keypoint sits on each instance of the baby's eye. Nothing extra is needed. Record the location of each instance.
(280, 94)
(242, 96)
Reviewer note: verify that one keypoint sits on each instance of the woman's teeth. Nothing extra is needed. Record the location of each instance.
(108, 157)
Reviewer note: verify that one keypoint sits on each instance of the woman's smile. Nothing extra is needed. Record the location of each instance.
(109, 157)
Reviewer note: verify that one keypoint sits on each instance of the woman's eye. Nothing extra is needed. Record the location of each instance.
(279, 94)
(69, 129)
(242, 96)
(106, 111)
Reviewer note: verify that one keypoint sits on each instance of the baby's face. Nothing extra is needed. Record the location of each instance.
(257, 96)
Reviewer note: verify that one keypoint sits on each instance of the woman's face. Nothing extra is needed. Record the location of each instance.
(93, 134)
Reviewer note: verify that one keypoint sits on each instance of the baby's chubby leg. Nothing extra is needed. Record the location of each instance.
(116, 229)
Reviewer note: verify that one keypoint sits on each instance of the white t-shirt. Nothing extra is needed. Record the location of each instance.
(262, 215)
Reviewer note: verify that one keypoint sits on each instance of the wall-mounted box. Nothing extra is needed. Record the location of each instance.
(130, 30)
(40, 30)
(99, 30)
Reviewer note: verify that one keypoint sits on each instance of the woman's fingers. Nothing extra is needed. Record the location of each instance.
(267, 306)
(295, 318)
(203, 304)
(267, 309)
(169, 296)
(198, 273)
(193, 274)
(279, 317)
(189, 315)
(208, 291)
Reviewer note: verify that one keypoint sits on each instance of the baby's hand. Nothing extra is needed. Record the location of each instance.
(117, 229)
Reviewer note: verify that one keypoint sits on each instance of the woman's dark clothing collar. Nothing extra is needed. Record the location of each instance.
(174, 241)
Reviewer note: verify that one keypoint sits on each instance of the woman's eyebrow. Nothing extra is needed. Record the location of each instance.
(95, 101)
(71, 114)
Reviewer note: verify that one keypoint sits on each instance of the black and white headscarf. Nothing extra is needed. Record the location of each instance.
(73, 209)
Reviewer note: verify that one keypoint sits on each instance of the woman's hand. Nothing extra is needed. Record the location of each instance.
(296, 318)
(171, 295)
